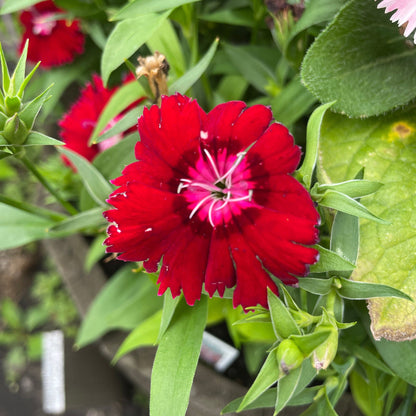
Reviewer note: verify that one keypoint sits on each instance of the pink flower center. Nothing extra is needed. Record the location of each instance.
(43, 24)
(217, 189)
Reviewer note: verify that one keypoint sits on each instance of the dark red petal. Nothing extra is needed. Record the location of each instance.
(252, 280)
(220, 271)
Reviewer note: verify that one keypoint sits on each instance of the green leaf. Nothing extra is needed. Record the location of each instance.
(4, 70)
(127, 299)
(97, 186)
(169, 306)
(316, 286)
(267, 399)
(307, 343)
(185, 82)
(144, 334)
(11, 315)
(313, 132)
(386, 148)
(26, 81)
(329, 260)
(20, 227)
(283, 323)
(294, 383)
(18, 75)
(166, 40)
(126, 38)
(141, 7)
(253, 70)
(351, 289)
(10, 6)
(91, 218)
(38, 139)
(341, 202)
(95, 252)
(354, 188)
(238, 17)
(361, 61)
(31, 110)
(175, 361)
(268, 375)
(119, 101)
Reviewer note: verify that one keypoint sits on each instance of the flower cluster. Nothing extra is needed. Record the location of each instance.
(212, 195)
(405, 14)
(52, 40)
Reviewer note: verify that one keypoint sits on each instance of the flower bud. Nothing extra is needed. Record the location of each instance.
(15, 131)
(323, 356)
(289, 356)
(12, 105)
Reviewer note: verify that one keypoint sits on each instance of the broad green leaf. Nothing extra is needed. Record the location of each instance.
(386, 148)
(20, 227)
(10, 6)
(293, 101)
(283, 323)
(119, 101)
(166, 41)
(256, 72)
(313, 132)
(141, 7)
(97, 186)
(127, 299)
(329, 260)
(186, 81)
(175, 361)
(169, 306)
(126, 38)
(351, 289)
(231, 87)
(267, 376)
(362, 61)
(294, 383)
(91, 218)
(316, 286)
(144, 334)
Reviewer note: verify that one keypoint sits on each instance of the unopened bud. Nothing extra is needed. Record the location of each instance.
(323, 356)
(15, 131)
(12, 105)
(289, 356)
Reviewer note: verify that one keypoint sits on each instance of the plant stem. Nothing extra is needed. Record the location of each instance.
(47, 186)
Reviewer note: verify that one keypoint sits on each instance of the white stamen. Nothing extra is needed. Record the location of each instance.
(211, 221)
(214, 166)
(198, 205)
(240, 157)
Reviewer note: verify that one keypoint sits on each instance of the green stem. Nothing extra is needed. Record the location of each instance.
(47, 186)
(32, 209)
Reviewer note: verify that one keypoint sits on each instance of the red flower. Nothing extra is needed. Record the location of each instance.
(52, 40)
(78, 124)
(212, 195)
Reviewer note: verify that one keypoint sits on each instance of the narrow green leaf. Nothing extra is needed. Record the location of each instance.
(293, 384)
(26, 81)
(18, 75)
(142, 335)
(175, 361)
(125, 301)
(342, 202)
(185, 82)
(126, 38)
(91, 218)
(267, 399)
(95, 252)
(313, 132)
(283, 323)
(329, 260)
(119, 101)
(268, 375)
(31, 110)
(354, 188)
(316, 286)
(97, 186)
(11, 314)
(39, 139)
(352, 289)
(10, 6)
(127, 121)
(307, 343)
(20, 227)
(169, 306)
(4, 71)
(140, 7)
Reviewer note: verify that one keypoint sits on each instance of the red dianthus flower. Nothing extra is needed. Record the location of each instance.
(211, 194)
(52, 40)
(78, 124)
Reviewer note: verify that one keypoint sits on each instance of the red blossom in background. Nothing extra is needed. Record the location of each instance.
(78, 124)
(52, 41)
(212, 195)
